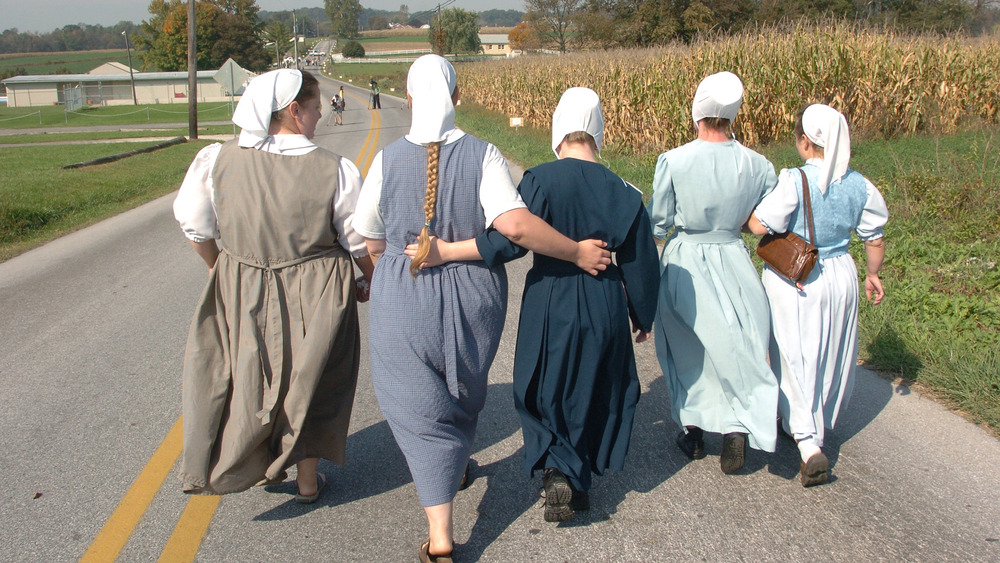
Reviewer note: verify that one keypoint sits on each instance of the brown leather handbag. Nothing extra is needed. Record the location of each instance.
(787, 253)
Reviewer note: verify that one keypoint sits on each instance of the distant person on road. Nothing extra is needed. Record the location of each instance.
(814, 347)
(338, 108)
(435, 331)
(376, 100)
(575, 379)
(273, 351)
(712, 318)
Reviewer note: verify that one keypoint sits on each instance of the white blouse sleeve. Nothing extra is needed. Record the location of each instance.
(344, 208)
(497, 193)
(775, 210)
(194, 207)
(874, 216)
(367, 218)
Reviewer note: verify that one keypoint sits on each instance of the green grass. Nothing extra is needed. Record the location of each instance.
(105, 135)
(940, 322)
(70, 62)
(39, 201)
(419, 41)
(56, 116)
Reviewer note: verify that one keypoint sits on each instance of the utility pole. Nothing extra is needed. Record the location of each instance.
(192, 75)
(130, 74)
(295, 41)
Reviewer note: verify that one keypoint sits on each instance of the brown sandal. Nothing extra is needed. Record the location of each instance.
(424, 556)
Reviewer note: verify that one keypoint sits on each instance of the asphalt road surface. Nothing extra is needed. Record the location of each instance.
(91, 344)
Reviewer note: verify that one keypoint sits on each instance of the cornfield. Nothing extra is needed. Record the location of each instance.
(885, 84)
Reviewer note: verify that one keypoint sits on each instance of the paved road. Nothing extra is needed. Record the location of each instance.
(91, 342)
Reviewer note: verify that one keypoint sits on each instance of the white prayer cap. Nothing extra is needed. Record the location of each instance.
(430, 83)
(827, 128)
(264, 95)
(718, 95)
(579, 109)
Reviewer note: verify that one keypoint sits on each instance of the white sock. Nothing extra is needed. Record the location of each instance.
(808, 448)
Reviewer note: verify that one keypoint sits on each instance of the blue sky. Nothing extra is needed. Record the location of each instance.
(46, 15)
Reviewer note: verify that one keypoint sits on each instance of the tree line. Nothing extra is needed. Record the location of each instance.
(566, 24)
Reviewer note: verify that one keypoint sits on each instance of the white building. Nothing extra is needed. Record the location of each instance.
(494, 43)
(111, 87)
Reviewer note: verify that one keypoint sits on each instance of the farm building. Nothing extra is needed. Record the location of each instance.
(109, 87)
(494, 43)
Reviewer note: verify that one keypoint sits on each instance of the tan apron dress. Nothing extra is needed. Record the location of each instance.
(273, 351)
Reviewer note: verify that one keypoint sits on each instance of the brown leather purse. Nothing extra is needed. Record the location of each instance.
(788, 253)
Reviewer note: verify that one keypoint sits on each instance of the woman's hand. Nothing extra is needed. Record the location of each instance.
(641, 336)
(873, 289)
(362, 289)
(592, 256)
(434, 257)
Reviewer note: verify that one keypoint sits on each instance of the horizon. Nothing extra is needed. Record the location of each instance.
(28, 17)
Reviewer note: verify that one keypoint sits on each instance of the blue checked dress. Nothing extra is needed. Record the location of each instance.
(434, 338)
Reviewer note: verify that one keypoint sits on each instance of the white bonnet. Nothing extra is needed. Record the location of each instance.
(718, 95)
(264, 95)
(579, 109)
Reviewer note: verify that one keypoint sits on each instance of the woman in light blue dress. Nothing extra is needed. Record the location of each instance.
(814, 351)
(712, 315)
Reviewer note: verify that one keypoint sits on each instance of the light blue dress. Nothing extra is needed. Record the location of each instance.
(712, 321)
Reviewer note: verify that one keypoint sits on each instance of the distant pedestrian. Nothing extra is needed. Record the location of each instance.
(338, 108)
(376, 101)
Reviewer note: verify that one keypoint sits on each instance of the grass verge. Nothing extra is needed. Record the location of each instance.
(940, 322)
(56, 116)
(39, 201)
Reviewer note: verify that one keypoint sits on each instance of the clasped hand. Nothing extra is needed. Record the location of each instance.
(592, 255)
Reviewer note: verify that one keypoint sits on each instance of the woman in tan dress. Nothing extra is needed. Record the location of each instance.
(273, 352)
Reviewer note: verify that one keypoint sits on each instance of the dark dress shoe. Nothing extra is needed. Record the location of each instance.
(691, 443)
(815, 471)
(558, 496)
(734, 452)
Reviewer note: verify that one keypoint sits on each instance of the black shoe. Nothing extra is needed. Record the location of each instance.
(734, 452)
(815, 471)
(580, 501)
(558, 496)
(691, 443)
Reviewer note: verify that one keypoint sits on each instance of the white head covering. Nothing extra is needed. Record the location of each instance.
(264, 95)
(827, 128)
(579, 109)
(718, 95)
(430, 83)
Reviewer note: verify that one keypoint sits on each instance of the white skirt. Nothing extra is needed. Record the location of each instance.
(814, 344)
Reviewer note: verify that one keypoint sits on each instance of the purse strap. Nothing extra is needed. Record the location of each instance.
(808, 205)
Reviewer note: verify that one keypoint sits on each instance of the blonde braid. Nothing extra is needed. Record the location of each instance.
(430, 200)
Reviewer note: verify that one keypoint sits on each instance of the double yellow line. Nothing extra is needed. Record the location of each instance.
(193, 523)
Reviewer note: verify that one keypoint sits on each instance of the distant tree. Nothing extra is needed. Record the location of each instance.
(456, 31)
(378, 22)
(353, 50)
(277, 33)
(402, 17)
(222, 31)
(345, 15)
(523, 37)
(552, 19)
(500, 18)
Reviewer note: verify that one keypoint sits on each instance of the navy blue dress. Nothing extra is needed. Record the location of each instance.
(575, 381)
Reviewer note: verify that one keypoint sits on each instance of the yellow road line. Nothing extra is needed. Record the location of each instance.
(116, 531)
(190, 530)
